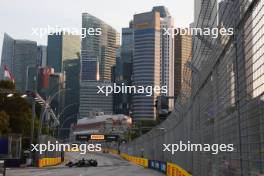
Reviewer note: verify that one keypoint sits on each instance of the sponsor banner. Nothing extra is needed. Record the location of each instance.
(97, 137)
(158, 165)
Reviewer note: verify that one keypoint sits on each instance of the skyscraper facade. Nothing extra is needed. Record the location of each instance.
(183, 50)
(62, 47)
(127, 47)
(63, 54)
(19, 56)
(25, 54)
(42, 56)
(72, 95)
(99, 50)
(122, 72)
(98, 56)
(166, 53)
(146, 63)
(93, 103)
(89, 66)
(7, 54)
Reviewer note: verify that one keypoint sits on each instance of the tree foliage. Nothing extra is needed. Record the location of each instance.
(17, 109)
(5, 84)
(4, 123)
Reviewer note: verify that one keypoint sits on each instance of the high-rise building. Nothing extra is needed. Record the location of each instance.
(166, 53)
(92, 102)
(7, 54)
(42, 56)
(146, 63)
(117, 78)
(98, 56)
(62, 47)
(89, 66)
(183, 50)
(72, 95)
(98, 50)
(63, 54)
(127, 46)
(19, 56)
(122, 72)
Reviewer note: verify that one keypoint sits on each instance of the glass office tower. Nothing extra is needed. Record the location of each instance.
(122, 72)
(146, 63)
(167, 53)
(98, 50)
(19, 56)
(98, 56)
(63, 54)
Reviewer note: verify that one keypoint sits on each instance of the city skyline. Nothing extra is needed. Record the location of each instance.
(125, 83)
(108, 13)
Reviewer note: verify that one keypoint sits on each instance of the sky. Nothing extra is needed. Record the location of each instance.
(18, 17)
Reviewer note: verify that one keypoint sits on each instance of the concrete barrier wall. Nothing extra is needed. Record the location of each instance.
(175, 170)
(49, 158)
(43, 162)
(136, 160)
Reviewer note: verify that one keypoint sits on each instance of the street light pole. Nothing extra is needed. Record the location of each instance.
(46, 106)
(33, 118)
(60, 115)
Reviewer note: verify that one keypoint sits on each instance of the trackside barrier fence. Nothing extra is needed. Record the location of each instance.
(170, 169)
(221, 98)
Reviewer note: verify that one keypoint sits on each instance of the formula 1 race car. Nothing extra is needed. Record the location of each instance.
(83, 163)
